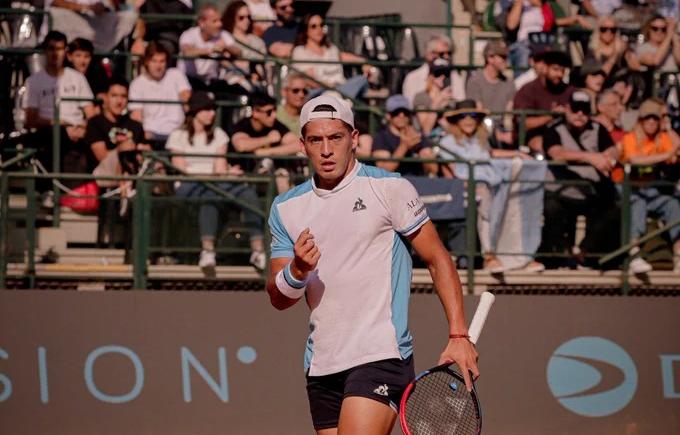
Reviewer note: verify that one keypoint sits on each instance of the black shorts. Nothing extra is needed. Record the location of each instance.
(383, 381)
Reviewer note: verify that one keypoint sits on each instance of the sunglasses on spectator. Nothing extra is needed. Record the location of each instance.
(474, 115)
(302, 91)
(401, 111)
(502, 56)
(654, 117)
(442, 53)
(609, 29)
(267, 112)
(580, 107)
(315, 26)
(244, 17)
(661, 29)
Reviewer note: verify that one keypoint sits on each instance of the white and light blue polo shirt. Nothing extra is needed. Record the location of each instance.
(358, 295)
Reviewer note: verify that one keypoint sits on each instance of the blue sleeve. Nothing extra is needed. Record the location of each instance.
(282, 244)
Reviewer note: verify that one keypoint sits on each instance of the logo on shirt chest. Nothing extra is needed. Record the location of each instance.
(359, 205)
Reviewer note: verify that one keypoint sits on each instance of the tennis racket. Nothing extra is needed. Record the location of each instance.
(437, 401)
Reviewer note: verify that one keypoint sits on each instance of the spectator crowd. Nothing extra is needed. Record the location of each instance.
(577, 92)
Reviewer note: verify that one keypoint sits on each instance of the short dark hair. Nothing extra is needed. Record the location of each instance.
(53, 35)
(117, 81)
(260, 99)
(81, 44)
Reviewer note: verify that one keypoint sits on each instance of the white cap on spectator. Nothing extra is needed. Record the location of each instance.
(326, 107)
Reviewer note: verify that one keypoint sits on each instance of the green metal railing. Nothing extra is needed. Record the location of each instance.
(143, 204)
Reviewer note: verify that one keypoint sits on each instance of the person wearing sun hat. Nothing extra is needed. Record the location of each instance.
(649, 145)
(468, 140)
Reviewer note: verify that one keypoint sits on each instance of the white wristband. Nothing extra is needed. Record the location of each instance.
(288, 285)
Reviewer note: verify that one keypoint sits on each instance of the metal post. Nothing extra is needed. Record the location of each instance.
(30, 231)
(471, 226)
(269, 199)
(4, 220)
(522, 134)
(141, 216)
(56, 160)
(625, 226)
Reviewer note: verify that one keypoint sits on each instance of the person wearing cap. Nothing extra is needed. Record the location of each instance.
(468, 139)
(338, 240)
(438, 52)
(199, 135)
(489, 86)
(580, 140)
(651, 149)
(262, 134)
(400, 139)
(436, 96)
(548, 93)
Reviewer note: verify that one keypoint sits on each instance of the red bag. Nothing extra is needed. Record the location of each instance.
(86, 200)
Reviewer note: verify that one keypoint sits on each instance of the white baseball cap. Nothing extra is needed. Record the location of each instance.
(326, 107)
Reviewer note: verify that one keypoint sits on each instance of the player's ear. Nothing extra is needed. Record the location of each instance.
(355, 139)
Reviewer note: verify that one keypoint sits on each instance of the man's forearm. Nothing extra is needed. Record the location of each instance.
(250, 144)
(450, 291)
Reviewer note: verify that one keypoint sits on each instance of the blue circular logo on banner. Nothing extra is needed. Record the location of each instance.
(592, 376)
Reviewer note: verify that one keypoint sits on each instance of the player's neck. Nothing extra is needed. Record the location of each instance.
(332, 184)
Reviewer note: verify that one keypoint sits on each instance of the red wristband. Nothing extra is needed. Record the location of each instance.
(459, 336)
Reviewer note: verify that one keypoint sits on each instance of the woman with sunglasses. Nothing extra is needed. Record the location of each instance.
(237, 20)
(468, 139)
(199, 135)
(661, 50)
(650, 147)
(312, 44)
(609, 48)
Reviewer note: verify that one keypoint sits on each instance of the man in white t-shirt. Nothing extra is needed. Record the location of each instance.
(98, 21)
(339, 240)
(158, 82)
(438, 51)
(57, 81)
(206, 39)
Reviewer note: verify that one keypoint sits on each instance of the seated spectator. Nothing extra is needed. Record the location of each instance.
(578, 139)
(468, 140)
(205, 40)
(609, 110)
(438, 51)
(263, 135)
(199, 135)
(400, 139)
(436, 96)
(294, 94)
(491, 89)
(590, 79)
(609, 48)
(548, 92)
(102, 22)
(58, 81)
(238, 21)
(165, 32)
(312, 44)
(263, 15)
(280, 37)
(158, 82)
(536, 66)
(661, 51)
(600, 8)
(79, 56)
(534, 16)
(649, 144)
(112, 129)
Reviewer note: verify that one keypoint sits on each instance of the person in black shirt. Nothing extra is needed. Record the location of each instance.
(588, 146)
(262, 134)
(400, 139)
(113, 129)
(280, 37)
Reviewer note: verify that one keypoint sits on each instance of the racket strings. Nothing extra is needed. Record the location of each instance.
(440, 405)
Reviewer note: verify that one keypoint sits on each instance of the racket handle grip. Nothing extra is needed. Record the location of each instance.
(479, 318)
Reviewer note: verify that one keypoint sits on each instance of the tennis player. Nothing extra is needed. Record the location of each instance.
(340, 239)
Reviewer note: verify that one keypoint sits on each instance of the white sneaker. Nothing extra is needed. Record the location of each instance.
(639, 266)
(207, 260)
(259, 260)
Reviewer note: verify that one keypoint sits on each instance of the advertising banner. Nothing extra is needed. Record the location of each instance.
(228, 363)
